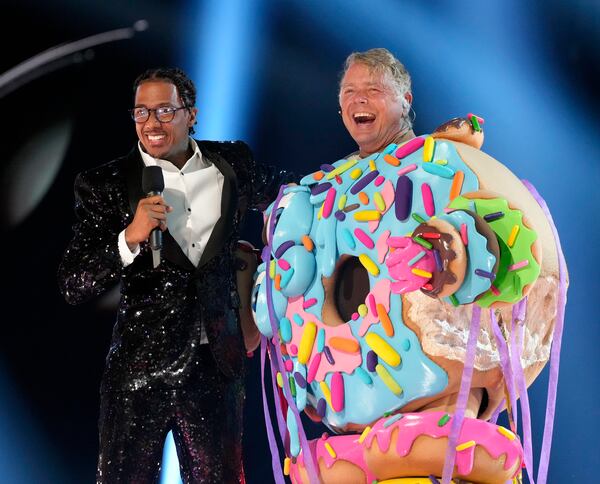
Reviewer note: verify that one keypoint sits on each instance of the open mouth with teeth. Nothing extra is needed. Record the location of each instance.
(363, 118)
(155, 139)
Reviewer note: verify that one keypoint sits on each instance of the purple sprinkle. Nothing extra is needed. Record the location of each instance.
(438, 260)
(321, 406)
(493, 216)
(266, 253)
(300, 379)
(403, 202)
(328, 355)
(326, 167)
(341, 216)
(372, 361)
(320, 188)
(283, 247)
(482, 273)
(364, 181)
(349, 208)
(433, 479)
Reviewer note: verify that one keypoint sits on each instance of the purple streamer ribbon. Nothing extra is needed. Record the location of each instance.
(463, 394)
(556, 341)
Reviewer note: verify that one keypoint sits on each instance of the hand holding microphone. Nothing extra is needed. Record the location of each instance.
(150, 217)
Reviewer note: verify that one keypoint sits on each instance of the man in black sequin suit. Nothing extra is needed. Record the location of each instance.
(159, 376)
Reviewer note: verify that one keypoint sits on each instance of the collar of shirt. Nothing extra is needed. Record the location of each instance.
(195, 162)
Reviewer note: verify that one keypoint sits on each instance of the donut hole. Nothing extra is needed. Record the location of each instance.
(351, 287)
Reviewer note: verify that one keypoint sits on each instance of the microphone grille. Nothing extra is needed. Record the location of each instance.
(152, 179)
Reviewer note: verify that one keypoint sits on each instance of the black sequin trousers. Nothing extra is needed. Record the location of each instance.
(206, 421)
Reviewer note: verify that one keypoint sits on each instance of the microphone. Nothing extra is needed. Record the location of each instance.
(153, 183)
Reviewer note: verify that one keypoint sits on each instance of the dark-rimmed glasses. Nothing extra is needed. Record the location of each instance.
(164, 114)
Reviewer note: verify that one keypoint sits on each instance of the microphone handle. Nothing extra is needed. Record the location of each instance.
(155, 234)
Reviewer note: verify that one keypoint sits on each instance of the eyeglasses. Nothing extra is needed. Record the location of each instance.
(164, 114)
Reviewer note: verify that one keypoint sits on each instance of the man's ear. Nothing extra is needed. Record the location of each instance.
(408, 99)
(193, 113)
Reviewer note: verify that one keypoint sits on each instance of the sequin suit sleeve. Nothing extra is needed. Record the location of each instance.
(91, 263)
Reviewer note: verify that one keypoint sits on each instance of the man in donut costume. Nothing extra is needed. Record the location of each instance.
(408, 294)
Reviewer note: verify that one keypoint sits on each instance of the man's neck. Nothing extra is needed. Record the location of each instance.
(398, 138)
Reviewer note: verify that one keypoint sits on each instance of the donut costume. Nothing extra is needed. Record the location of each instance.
(405, 299)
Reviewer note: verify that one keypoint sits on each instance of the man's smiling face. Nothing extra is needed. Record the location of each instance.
(371, 109)
(168, 141)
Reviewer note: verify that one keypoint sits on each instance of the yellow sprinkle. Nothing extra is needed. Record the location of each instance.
(272, 269)
(330, 450)
(364, 434)
(513, 235)
(368, 264)
(279, 380)
(306, 343)
(286, 466)
(466, 445)
(507, 433)
(441, 162)
(383, 349)
(342, 202)
(367, 215)
(388, 379)
(363, 310)
(379, 201)
(422, 273)
(326, 393)
(428, 148)
(372, 165)
(320, 214)
(354, 174)
(341, 169)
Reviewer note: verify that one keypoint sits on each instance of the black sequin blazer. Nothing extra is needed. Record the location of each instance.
(156, 336)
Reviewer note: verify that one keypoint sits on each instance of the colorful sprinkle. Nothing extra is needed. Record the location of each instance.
(307, 342)
(444, 420)
(392, 420)
(457, 183)
(392, 160)
(486, 274)
(379, 180)
(490, 217)
(362, 310)
(342, 201)
(345, 345)
(438, 260)
(355, 316)
(320, 340)
(416, 258)
(285, 329)
(441, 162)
(328, 355)
(363, 182)
(347, 236)
(328, 203)
(465, 445)
(286, 466)
(341, 216)
(383, 349)
(454, 300)
(372, 360)
(430, 235)
(283, 247)
(422, 242)
(403, 197)
(309, 302)
(364, 434)
(321, 188)
(368, 264)
(364, 198)
(321, 407)
(300, 381)
(364, 238)
(406, 345)
(388, 380)
(307, 243)
(438, 170)
(409, 147)
(372, 165)
(279, 379)
(507, 433)
(341, 169)
(330, 450)
(371, 301)
(494, 290)
(326, 167)
(363, 375)
(384, 317)
(379, 201)
(428, 147)
(351, 207)
(421, 273)
(298, 319)
(418, 218)
(513, 235)
(475, 123)
(367, 215)
(464, 234)
(278, 282)
(337, 391)
(518, 265)
(313, 368)
(354, 174)
(285, 265)
(407, 169)
(428, 199)
(326, 392)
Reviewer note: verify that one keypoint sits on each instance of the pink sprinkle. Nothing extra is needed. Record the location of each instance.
(328, 204)
(379, 180)
(337, 392)
(372, 305)
(289, 365)
(464, 234)
(364, 238)
(518, 265)
(409, 147)
(428, 199)
(293, 349)
(479, 119)
(495, 290)
(407, 169)
(309, 302)
(355, 316)
(314, 366)
(285, 265)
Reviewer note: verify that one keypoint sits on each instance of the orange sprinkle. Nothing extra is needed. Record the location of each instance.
(344, 344)
(457, 183)
(318, 175)
(392, 160)
(364, 198)
(278, 282)
(385, 320)
(307, 243)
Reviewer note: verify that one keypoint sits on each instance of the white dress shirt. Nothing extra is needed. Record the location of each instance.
(194, 193)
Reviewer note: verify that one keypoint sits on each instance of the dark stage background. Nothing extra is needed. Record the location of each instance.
(267, 73)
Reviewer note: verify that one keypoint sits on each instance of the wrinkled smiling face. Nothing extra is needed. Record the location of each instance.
(371, 109)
